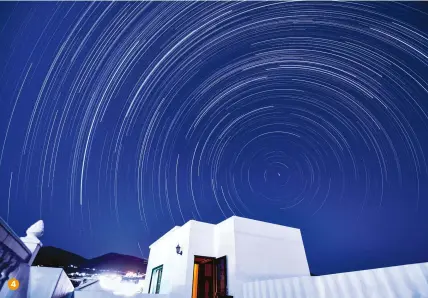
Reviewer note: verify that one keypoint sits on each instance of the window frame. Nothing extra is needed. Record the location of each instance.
(160, 270)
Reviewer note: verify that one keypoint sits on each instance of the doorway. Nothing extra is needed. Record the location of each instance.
(209, 277)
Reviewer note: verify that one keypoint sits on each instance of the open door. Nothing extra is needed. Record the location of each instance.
(221, 277)
(209, 277)
(203, 277)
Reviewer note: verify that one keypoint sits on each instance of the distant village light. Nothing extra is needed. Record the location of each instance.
(178, 249)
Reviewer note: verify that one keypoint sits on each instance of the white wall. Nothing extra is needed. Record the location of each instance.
(64, 287)
(194, 238)
(254, 250)
(104, 294)
(163, 252)
(225, 246)
(266, 251)
(46, 282)
(96, 290)
(392, 282)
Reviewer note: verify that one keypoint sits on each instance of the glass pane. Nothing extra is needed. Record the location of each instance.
(158, 284)
(155, 282)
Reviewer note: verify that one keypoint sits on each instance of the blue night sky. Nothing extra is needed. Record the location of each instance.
(121, 120)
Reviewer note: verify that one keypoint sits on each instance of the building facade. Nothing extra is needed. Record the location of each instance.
(205, 260)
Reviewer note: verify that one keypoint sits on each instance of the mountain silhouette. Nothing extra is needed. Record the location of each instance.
(50, 256)
(117, 262)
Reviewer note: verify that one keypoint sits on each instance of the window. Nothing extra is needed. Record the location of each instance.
(155, 280)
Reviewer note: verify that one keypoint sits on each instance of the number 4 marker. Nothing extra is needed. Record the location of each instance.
(13, 284)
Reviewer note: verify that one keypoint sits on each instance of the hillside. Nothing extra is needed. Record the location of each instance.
(118, 262)
(49, 256)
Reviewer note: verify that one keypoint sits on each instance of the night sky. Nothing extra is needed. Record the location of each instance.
(121, 120)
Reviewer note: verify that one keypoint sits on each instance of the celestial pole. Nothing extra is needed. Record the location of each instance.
(179, 111)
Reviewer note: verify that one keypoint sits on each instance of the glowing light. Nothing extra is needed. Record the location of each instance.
(131, 274)
(110, 282)
(116, 284)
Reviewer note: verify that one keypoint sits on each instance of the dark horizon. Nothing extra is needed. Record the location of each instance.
(102, 255)
(121, 120)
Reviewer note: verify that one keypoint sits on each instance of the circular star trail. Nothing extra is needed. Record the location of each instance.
(166, 112)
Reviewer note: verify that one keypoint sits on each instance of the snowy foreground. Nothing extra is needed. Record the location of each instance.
(407, 281)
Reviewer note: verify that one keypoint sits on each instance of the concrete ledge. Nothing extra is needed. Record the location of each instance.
(13, 242)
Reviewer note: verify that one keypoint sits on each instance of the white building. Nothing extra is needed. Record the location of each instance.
(239, 258)
(244, 258)
(219, 259)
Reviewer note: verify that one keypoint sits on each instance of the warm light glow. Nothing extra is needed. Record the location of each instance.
(118, 286)
(195, 280)
(131, 274)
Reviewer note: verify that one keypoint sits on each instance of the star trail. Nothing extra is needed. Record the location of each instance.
(120, 120)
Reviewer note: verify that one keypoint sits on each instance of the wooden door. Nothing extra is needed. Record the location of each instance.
(221, 276)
